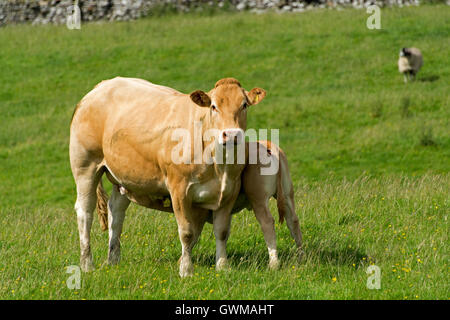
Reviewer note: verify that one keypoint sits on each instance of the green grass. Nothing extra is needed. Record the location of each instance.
(369, 155)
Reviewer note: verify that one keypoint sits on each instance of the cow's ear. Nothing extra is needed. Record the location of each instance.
(256, 95)
(200, 98)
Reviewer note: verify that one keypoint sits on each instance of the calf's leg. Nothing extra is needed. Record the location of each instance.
(293, 223)
(267, 224)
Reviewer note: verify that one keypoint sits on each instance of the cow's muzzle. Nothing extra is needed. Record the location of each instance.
(231, 136)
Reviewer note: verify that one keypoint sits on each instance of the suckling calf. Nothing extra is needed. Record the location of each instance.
(257, 189)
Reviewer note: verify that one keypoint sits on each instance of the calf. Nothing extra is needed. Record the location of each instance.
(257, 189)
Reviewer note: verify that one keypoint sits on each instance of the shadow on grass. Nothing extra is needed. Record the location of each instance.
(430, 78)
(341, 257)
(259, 258)
(344, 220)
(238, 259)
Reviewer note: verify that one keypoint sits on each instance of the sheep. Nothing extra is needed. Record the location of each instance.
(409, 63)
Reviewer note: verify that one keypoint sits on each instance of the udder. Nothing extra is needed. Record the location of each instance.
(206, 195)
(211, 194)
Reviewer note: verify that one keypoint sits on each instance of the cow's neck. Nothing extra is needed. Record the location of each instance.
(228, 175)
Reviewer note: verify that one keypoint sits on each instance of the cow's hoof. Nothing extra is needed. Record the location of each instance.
(87, 265)
(113, 260)
(185, 274)
(274, 264)
(221, 264)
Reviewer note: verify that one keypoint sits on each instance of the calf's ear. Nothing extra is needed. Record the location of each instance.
(200, 98)
(256, 95)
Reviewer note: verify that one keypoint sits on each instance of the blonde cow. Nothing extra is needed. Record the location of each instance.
(124, 128)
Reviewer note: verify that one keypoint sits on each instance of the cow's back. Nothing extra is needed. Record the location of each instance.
(110, 97)
(129, 123)
(123, 102)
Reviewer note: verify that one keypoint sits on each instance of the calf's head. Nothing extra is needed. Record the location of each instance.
(228, 103)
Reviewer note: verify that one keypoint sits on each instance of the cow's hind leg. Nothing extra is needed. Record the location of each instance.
(117, 205)
(86, 180)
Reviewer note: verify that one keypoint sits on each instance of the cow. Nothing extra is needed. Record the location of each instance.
(124, 128)
(256, 190)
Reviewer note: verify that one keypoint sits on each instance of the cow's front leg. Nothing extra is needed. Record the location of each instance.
(221, 226)
(190, 224)
(189, 229)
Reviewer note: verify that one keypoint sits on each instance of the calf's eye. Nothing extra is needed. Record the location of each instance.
(213, 107)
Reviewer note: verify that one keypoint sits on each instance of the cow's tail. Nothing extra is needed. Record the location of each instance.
(102, 206)
(281, 196)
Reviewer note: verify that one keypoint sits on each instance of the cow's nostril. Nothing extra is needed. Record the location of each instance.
(224, 134)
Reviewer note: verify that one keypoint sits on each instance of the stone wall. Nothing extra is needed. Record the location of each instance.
(56, 11)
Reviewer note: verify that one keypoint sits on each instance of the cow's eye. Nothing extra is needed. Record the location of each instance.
(213, 107)
(245, 105)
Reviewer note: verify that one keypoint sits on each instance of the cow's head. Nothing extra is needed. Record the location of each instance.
(228, 103)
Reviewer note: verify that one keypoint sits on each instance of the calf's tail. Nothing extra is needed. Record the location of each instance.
(281, 202)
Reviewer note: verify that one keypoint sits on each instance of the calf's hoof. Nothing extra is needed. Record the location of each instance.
(113, 258)
(274, 264)
(300, 255)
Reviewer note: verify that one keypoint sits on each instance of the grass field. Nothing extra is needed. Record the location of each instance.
(369, 155)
